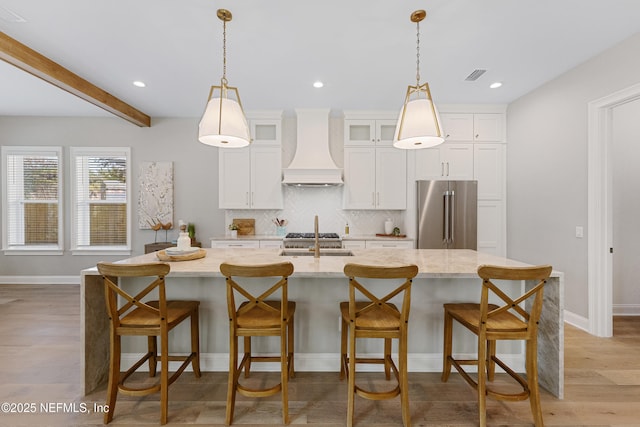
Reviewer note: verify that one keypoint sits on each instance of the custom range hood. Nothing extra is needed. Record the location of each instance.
(312, 165)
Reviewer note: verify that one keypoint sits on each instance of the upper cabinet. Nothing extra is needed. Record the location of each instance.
(369, 132)
(446, 161)
(479, 127)
(375, 173)
(251, 177)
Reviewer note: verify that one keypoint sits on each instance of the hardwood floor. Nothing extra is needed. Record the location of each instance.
(40, 364)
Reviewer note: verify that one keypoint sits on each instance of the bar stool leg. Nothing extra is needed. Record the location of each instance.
(404, 381)
(152, 344)
(114, 378)
(343, 348)
(284, 376)
(195, 343)
(532, 379)
(447, 347)
(387, 357)
(233, 377)
(351, 376)
(164, 377)
(482, 378)
(247, 353)
(290, 348)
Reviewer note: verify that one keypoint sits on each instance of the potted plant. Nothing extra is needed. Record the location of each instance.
(234, 230)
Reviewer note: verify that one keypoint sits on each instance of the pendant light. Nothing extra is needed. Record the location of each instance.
(223, 123)
(419, 123)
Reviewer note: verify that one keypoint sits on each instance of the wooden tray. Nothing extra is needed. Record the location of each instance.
(246, 226)
(390, 235)
(164, 256)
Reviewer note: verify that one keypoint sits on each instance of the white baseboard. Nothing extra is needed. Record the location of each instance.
(39, 280)
(576, 320)
(626, 309)
(328, 362)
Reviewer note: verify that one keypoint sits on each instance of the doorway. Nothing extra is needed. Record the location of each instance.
(600, 208)
(625, 172)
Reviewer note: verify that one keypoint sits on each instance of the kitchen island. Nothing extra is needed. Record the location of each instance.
(317, 285)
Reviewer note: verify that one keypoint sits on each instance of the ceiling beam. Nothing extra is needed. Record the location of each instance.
(27, 59)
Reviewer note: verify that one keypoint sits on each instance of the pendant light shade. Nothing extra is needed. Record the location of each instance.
(223, 123)
(419, 124)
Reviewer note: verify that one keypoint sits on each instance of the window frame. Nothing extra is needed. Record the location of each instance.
(76, 152)
(53, 249)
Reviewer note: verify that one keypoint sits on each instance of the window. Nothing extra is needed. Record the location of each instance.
(100, 191)
(31, 194)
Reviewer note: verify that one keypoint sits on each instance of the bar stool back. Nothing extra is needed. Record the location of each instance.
(138, 316)
(490, 322)
(376, 318)
(259, 316)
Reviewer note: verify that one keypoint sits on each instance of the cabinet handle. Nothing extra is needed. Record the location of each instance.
(477, 135)
(378, 199)
(247, 197)
(447, 168)
(448, 135)
(441, 168)
(252, 198)
(373, 198)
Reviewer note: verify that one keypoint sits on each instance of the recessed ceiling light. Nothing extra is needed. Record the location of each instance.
(318, 84)
(138, 83)
(495, 85)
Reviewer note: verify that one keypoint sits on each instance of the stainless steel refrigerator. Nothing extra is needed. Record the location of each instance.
(447, 214)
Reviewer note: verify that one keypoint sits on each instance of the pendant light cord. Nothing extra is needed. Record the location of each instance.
(224, 53)
(418, 54)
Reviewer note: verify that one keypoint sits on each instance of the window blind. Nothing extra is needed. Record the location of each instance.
(31, 196)
(101, 197)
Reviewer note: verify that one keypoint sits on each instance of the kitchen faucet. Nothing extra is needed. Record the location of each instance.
(316, 245)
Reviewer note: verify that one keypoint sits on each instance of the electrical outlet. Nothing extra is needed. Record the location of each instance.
(579, 232)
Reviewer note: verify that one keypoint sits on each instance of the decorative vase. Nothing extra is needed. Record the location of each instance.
(388, 226)
(234, 234)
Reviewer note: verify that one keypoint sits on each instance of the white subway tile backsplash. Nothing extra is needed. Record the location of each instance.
(301, 204)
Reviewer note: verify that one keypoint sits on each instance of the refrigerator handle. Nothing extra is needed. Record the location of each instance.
(452, 208)
(447, 217)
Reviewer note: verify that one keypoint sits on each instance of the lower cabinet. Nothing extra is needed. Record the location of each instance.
(239, 243)
(398, 244)
(276, 244)
(491, 238)
(353, 244)
(235, 244)
(377, 244)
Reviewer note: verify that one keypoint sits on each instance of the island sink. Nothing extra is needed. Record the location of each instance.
(323, 252)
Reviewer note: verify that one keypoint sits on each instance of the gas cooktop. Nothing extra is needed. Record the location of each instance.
(312, 236)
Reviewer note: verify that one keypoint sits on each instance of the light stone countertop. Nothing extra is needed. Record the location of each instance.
(374, 237)
(438, 263)
(249, 237)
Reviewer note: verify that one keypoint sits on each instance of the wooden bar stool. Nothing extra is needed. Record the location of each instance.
(376, 318)
(259, 316)
(490, 323)
(137, 316)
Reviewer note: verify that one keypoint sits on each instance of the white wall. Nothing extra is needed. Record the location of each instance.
(547, 165)
(626, 208)
(195, 168)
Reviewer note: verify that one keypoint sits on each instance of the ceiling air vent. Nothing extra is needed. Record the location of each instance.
(475, 75)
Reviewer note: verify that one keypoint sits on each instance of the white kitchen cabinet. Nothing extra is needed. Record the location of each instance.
(488, 165)
(271, 244)
(392, 244)
(365, 132)
(488, 127)
(478, 127)
(235, 244)
(251, 177)
(375, 178)
(491, 237)
(447, 161)
(353, 244)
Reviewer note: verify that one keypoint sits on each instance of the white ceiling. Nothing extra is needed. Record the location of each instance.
(363, 50)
